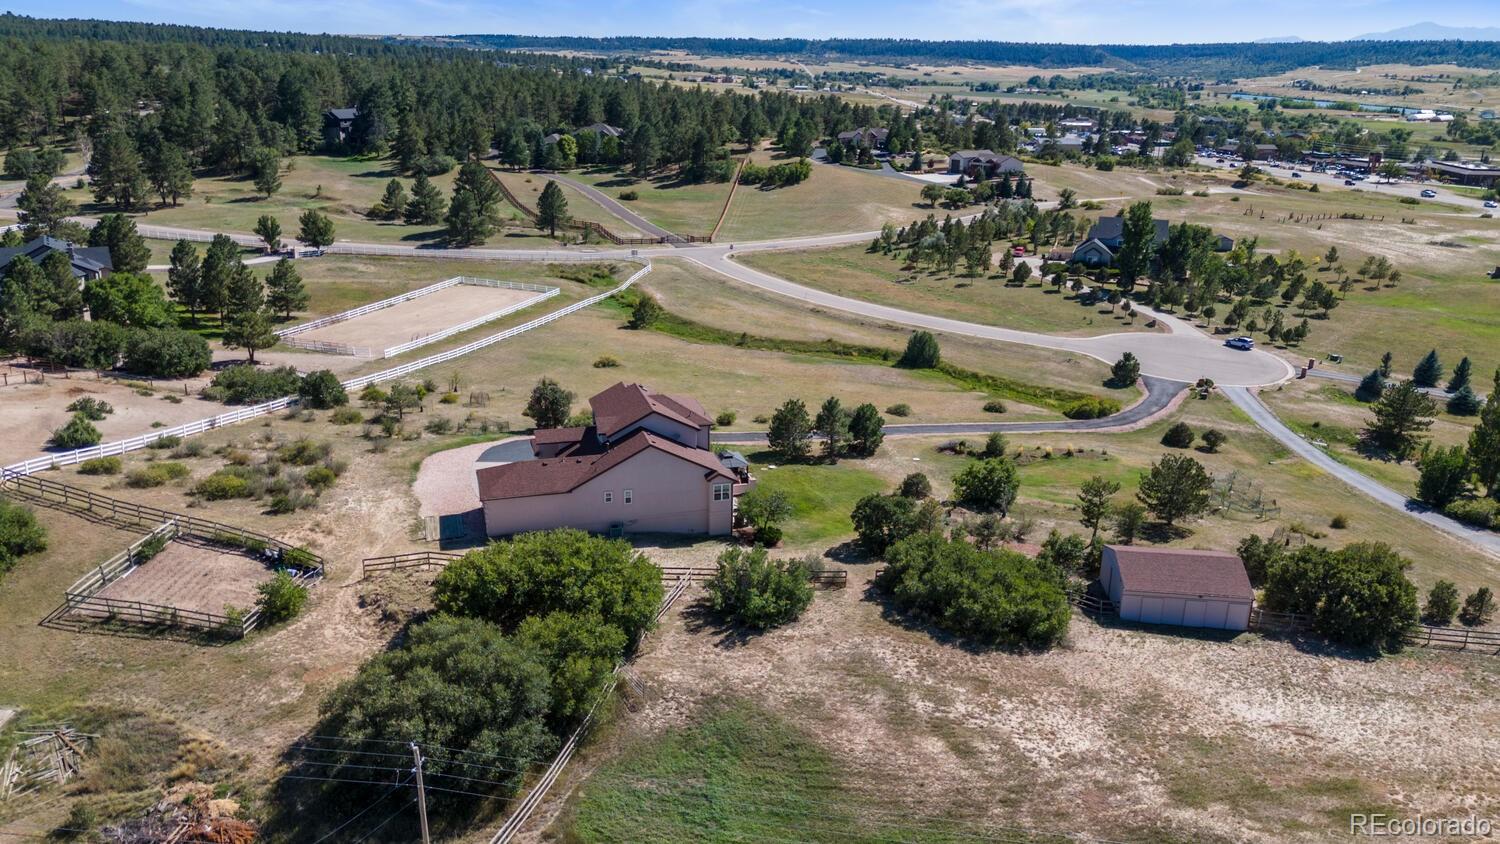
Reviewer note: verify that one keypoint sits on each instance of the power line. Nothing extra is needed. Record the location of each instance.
(361, 813)
(389, 818)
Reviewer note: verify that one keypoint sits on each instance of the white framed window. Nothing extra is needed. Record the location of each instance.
(609, 496)
(721, 492)
(629, 496)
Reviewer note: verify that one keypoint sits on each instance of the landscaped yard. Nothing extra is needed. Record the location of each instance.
(852, 271)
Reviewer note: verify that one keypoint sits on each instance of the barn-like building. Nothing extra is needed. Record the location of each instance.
(1177, 586)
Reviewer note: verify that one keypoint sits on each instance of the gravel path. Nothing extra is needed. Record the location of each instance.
(446, 483)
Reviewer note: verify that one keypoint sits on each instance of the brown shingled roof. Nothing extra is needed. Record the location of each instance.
(559, 475)
(623, 405)
(1176, 571)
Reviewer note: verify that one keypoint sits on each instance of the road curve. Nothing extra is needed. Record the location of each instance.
(1182, 354)
(1251, 404)
(1160, 394)
(610, 204)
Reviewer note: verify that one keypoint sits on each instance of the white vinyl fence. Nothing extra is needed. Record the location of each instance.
(68, 458)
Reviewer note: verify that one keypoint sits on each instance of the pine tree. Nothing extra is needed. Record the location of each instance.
(170, 174)
(1429, 372)
(551, 208)
(185, 279)
(266, 171)
(1385, 365)
(1461, 374)
(426, 206)
(1370, 387)
(1402, 413)
(314, 229)
(392, 203)
(1464, 402)
(1484, 442)
(251, 331)
(268, 229)
(244, 292)
(284, 290)
(219, 261)
(43, 207)
(128, 252)
(116, 171)
(832, 423)
(474, 214)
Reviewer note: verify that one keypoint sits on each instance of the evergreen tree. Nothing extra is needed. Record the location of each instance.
(1125, 371)
(1370, 387)
(832, 423)
(284, 290)
(866, 430)
(549, 405)
(1429, 371)
(170, 174)
(1484, 442)
(426, 206)
(921, 352)
(474, 213)
(43, 207)
(551, 208)
(392, 203)
(315, 229)
(1461, 375)
(63, 298)
(1138, 246)
(1402, 414)
(268, 229)
(789, 429)
(1464, 402)
(251, 331)
(1176, 487)
(185, 279)
(219, 261)
(265, 169)
(116, 171)
(128, 252)
(1094, 503)
(1385, 365)
(244, 292)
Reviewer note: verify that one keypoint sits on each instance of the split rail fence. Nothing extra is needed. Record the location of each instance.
(425, 560)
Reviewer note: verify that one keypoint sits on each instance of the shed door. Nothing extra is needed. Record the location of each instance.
(1194, 613)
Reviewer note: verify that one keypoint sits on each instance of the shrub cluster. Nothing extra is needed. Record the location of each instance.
(777, 175)
(250, 385)
(994, 598)
(1358, 595)
(1093, 407)
(758, 592)
(155, 474)
(20, 534)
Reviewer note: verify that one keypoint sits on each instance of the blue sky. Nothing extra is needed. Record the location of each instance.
(1074, 21)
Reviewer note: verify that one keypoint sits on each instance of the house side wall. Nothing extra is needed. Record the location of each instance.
(669, 495)
(1109, 575)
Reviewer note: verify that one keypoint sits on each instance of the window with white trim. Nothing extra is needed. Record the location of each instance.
(721, 492)
(609, 496)
(629, 496)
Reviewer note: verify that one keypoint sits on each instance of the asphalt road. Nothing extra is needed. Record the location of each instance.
(1251, 404)
(613, 206)
(1159, 395)
(1325, 181)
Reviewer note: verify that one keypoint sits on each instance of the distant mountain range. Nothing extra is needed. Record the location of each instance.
(1429, 31)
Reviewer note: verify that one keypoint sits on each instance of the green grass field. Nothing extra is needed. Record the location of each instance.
(832, 199)
(528, 187)
(676, 206)
(854, 272)
(821, 500)
(741, 774)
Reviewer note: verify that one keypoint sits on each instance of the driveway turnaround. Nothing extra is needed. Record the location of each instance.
(1183, 354)
(1160, 393)
(1249, 402)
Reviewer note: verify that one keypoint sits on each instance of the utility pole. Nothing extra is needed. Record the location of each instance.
(416, 754)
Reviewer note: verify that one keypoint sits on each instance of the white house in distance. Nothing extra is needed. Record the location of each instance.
(644, 466)
(1177, 586)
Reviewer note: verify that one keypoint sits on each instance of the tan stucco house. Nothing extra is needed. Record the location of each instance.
(644, 466)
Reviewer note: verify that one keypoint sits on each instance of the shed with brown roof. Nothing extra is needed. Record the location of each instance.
(1177, 586)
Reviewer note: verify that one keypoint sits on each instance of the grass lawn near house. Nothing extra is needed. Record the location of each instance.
(854, 272)
(821, 495)
(679, 207)
(832, 199)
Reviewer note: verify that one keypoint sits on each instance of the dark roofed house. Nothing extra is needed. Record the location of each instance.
(337, 123)
(603, 129)
(874, 138)
(87, 262)
(1177, 586)
(1108, 235)
(645, 465)
(983, 163)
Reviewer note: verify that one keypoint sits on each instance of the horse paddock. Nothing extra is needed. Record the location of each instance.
(193, 576)
(420, 317)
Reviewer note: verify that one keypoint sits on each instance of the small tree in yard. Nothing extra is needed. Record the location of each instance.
(921, 352)
(1124, 371)
(915, 486)
(1402, 413)
(315, 229)
(280, 598)
(988, 483)
(866, 430)
(1464, 402)
(1442, 604)
(1429, 371)
(1444, 476)
(250, 331)
(832, 424)
(426, 206)
(1093, 503)
(1176, 488)
(790, 427)
(1129, 519)
(549, 405)
(1478, 609)
(764, 510)
(1461, 376)
(322, 390)
(1370, 387)
(551, 208)
(401, 398)
(645, 312)
(1213, 438)
(20, 534)
(269, 231)
(284, 289)
(1179, 435)
(758, 592)
(883, 520)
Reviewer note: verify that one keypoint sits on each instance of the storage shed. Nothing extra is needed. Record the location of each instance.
(1175, 586)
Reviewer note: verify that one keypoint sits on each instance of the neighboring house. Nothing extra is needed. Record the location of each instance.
(1108, 235)
(1465, 172)
(87, 262)
(644, 466)
(875, 138)
(337, 123)
(1175, 586)
(603, 129)
(983, 163)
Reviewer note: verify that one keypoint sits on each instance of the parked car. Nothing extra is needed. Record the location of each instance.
(1018, 251)
(1429, 193)
(1296, 175)
(1241, 343)
(1490, 203)
(1349, 182)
